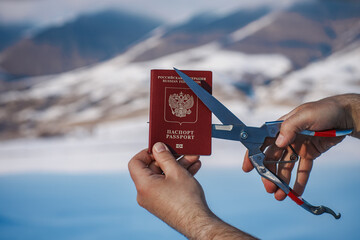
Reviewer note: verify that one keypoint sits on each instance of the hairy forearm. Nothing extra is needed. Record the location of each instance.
(207, 226)
(219, 230)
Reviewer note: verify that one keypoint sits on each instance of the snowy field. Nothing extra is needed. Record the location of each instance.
(78, 187)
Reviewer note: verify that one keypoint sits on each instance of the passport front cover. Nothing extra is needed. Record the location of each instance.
(177, 117)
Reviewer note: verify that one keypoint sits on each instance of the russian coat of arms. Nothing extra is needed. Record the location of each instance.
(181, 104)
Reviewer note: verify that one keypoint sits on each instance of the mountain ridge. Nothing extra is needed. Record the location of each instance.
(304, 32)
(83, 41)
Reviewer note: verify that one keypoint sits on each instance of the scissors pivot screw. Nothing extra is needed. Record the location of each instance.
(293, 157)
(244, 135)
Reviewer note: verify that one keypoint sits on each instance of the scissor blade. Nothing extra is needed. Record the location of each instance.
(219, 110)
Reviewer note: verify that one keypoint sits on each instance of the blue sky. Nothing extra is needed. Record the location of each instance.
(45, 12)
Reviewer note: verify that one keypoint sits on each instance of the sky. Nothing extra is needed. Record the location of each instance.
(45, 12)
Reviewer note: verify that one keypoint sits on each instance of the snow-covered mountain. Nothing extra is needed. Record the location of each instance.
(80, 100)
(85, 40)
(337, 74)
(119, 88)
(305, 32)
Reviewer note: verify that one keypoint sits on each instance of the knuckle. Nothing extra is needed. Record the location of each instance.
(130, 163)
(289, 125)
(140, 200)
(309, 106)
(142, 196)
(141, 189)
(286, 126)
(304, 106)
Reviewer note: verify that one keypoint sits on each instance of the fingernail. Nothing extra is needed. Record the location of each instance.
(280, 140)
(160, 147)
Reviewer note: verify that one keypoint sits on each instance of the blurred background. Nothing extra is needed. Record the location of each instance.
(74, 100)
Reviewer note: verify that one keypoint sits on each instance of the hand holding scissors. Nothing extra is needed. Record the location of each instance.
(253, 138)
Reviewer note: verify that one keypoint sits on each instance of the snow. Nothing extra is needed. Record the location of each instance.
(108, 148)
(253, 27)
(120, 88)
(337, 74)
(118, 76)
(232, 64)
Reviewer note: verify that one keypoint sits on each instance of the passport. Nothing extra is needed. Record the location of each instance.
(178, 117)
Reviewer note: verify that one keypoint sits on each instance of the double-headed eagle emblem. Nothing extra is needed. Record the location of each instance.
(181, 104)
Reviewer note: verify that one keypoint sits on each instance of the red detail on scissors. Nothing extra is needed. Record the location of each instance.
(295, 197)
(330, 133)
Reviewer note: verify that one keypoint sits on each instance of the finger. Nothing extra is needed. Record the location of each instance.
(188, 160)
(247, 165)
(268, 142)
(270, 187)
(165, 159)
(280, 195)
(272, 153)
(195, 167)
(154, 166)
(302, 176)
(138, 166)
(293, 124)
(284, 173)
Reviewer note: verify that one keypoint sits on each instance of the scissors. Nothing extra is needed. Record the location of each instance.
(254, 137)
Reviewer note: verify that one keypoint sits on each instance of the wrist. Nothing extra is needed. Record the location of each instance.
(197, 223)
(351, 105)
(207, 226)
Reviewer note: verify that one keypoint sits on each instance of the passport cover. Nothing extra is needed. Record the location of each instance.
(177, 117)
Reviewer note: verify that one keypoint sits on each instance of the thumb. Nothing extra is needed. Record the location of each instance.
(290, 127)
(284, 139)
(164, 158)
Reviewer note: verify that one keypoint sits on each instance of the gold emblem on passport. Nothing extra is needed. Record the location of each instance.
(180, 105)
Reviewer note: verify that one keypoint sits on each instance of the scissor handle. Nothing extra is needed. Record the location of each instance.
(327, 133)
(258, 162)
(316, 210)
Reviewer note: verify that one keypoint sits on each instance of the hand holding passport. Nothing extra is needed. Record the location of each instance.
(177, 117)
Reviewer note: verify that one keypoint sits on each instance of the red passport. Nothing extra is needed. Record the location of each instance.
(177, 117)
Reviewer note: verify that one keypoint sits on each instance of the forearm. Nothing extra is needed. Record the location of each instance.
(219, 230)
(176, 197)
(207, 226)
